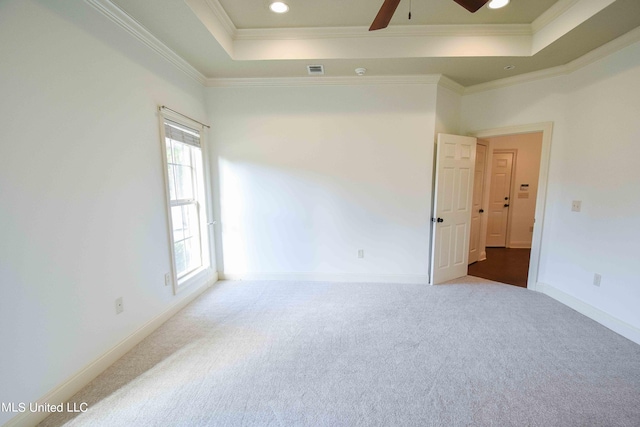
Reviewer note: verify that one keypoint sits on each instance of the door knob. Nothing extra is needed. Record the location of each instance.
(481, 211)
(506, 205)
(440, 220)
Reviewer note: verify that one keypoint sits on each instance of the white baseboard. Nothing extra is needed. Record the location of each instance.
(520, 245)
(66, 390)
(328, 277)
(621, 327)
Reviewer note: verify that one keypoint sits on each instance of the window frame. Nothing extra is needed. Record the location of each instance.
(202, 201)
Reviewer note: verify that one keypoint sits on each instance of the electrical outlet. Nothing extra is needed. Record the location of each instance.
(597, 279)
(576, 205)
(360, 253)
(119, 305)
(167, 279)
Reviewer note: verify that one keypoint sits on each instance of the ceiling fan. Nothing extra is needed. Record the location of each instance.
(389, 7)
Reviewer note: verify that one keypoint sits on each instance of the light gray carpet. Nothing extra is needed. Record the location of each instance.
(321, 354)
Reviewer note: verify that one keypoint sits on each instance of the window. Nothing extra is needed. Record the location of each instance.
(187, 203)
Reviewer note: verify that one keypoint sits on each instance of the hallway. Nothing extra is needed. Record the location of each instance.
(504, 265)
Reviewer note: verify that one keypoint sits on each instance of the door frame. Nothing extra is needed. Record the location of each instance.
(538, 227)
(482, 238)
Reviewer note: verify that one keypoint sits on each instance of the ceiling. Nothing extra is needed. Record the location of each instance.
(236, 39)
(359, 13)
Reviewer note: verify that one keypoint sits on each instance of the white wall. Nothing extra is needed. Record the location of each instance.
(447, 111)
(526, 168)
(309, 175)
(594, 158)
(82, 214)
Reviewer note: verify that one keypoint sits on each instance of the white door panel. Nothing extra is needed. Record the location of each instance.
(455, 164)
(499, 202)
(444, 247)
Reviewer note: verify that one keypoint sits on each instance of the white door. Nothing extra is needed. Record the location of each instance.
(455, 161)
(478, 198)
(501, 171)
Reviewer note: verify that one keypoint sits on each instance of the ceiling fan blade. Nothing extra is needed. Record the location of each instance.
(472, 5)
(384, 15)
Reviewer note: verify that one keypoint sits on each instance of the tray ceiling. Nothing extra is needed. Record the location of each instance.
(227, 39)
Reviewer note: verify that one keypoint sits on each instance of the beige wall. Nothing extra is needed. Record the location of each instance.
(526, 171)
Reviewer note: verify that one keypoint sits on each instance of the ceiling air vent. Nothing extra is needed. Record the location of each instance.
(315, 70)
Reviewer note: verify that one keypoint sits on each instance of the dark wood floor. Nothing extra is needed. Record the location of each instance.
(504, 265)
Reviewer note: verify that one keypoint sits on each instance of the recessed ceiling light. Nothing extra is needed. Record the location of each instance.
(497, 4)
(279, 7)
(509, 67)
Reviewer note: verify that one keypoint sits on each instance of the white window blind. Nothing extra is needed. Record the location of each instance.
(181, 133)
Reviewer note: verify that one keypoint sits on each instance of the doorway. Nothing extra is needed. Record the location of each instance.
(508, 248)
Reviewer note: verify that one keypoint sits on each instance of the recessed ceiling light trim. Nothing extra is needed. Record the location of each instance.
(497, 4)
(279, 7)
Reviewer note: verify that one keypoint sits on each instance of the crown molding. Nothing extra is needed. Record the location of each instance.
(613, 46)
(511, 81)
(450, 84)
(395, 31)
(359, 32)
(603, 51)
(324, 81)
(125, 21)
(552, 14)
(565, 22)
(223, 17)
(133, 27)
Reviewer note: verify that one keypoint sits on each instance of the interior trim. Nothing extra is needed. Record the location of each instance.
(595, 55)
(541, 199)
(328, 277)
(123, 20)
(126, 22)
(84, 376)
(605, 319)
